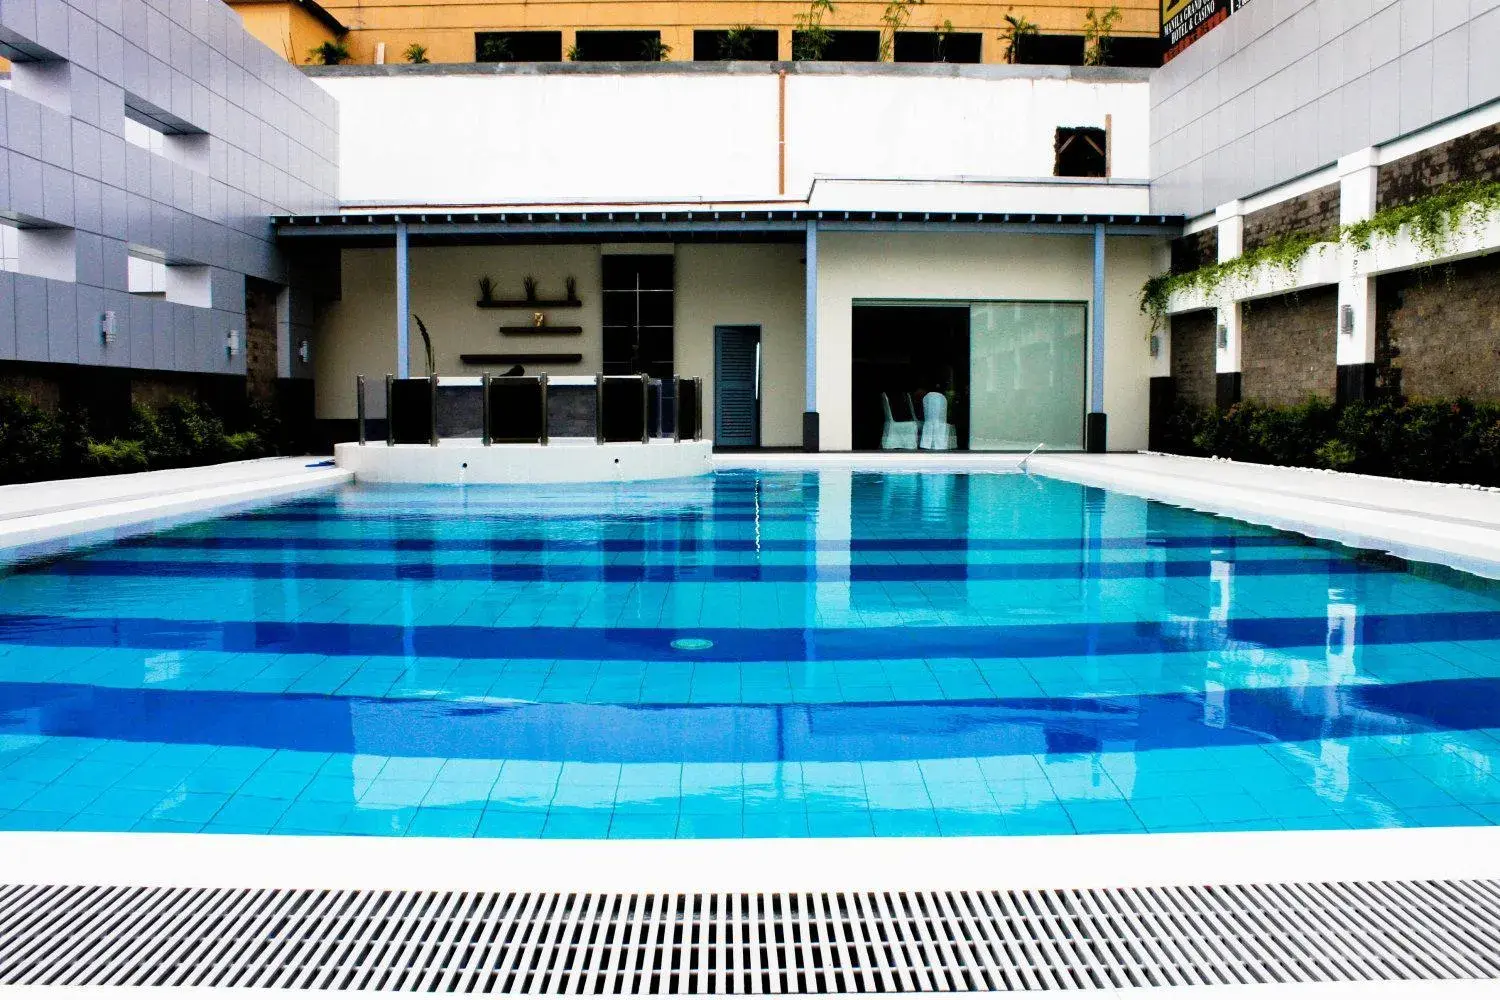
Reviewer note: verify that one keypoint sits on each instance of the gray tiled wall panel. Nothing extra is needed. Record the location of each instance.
(1285, 87)
(272, 149)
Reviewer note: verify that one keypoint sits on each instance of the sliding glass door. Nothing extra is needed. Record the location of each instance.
(1026, 375)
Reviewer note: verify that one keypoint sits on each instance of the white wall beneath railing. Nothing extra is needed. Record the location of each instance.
(498, 138)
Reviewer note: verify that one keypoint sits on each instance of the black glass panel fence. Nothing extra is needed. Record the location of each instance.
(409, 411)
(515, 411)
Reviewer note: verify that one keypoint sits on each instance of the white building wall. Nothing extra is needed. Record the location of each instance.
(479, 137)
(971, 267)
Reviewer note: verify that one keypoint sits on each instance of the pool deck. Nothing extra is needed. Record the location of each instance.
(43, 519)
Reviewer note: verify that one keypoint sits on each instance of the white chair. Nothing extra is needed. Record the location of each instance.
(937, 433)
(897, 435)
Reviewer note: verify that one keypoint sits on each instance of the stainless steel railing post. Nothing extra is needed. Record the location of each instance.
(484, 408)
(676, 408)
(599, 408)
(645, 408)
(544, 408)
(698, 409)
(359, 406)
(390, 418)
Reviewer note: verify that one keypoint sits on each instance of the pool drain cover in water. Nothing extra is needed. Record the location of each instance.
(692, 645)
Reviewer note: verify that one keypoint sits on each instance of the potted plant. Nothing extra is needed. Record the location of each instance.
(416, 54)
(329, 53)
(572, 288)
(528, 283)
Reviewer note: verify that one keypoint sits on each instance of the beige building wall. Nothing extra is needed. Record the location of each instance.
(358, 333)
(447, 27)
(723, 285)
(717, 284)
(977, 267)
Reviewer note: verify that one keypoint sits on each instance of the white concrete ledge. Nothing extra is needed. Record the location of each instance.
(466, 461)
(747, 865)
(1430, 522)
(38, 520)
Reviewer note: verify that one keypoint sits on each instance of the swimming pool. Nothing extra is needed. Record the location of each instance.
(744, 655)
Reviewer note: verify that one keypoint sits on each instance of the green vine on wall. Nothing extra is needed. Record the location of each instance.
(1283, 254)
(1434, 221)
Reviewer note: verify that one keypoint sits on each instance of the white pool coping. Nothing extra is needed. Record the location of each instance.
(38, 520)
(748, 865)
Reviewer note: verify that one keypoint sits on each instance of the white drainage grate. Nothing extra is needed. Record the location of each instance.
(774, 943)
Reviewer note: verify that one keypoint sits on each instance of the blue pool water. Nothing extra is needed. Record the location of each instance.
(744, 655)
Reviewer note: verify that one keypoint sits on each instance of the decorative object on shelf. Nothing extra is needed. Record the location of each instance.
(486, 290)
(529, 285)
(427, 343)
(538, 320)
(570, 287)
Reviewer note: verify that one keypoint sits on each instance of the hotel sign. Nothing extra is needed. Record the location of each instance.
(1183, 22)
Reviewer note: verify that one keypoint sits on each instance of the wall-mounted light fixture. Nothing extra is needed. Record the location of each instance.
(1155, 346)
(1223, 336)
(232, 344)
(107, 327)
(304, 351)
(1346, 320)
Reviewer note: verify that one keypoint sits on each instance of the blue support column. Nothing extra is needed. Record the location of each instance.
(403, 306)
(810, 326)
(1096, 427)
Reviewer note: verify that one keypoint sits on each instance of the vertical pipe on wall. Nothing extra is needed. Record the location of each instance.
(403, 308)
(781, 132)
(1095, 427)
(810, 326)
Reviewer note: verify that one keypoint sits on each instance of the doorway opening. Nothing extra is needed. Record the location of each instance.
(737, 386)
(900, 354)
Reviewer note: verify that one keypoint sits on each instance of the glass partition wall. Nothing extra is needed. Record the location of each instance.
(1027, 365)
(981, 376)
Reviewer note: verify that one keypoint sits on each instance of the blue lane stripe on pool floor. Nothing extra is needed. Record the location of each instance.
(745, 733)
(706, 572)
(739, 644)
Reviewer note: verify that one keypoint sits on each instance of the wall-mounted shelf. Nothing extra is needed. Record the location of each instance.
(557, 331)
(529, 304)
(520, 359)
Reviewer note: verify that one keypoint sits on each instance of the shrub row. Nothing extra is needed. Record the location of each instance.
(37, 444)
(1451, 441)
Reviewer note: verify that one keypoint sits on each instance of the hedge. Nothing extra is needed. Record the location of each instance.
(37, 444)
(1446, 441)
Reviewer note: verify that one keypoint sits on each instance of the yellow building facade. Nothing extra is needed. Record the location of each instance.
(450, 30)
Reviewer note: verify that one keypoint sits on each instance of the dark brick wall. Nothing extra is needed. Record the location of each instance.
(1438, 331)
(1315, 213)
(260, 338)
(1193, 353)
(1198, 250)
(1475, 156)
(1290, 347)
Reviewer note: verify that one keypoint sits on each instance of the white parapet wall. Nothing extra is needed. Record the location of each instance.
(467, 461)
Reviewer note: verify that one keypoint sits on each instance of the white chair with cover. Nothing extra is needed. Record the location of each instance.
(937, 433)
(897, 435)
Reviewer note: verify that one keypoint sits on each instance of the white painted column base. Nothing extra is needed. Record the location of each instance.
(564, 460)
